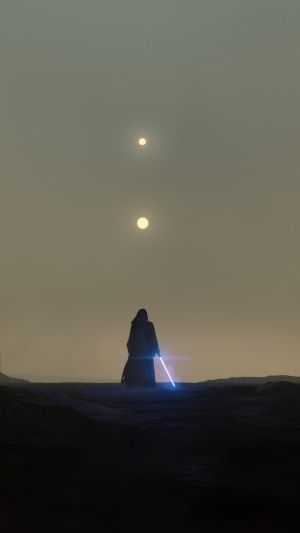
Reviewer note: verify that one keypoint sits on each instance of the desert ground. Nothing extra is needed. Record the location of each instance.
(214, 456)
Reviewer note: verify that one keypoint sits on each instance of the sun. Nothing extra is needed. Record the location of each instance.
(142, 223)
(142, 141)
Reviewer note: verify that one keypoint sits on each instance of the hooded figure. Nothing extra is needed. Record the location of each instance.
(142, 347)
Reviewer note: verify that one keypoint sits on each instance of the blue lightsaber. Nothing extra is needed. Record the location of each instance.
(167, 371)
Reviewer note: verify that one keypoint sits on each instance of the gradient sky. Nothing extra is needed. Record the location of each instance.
(214, 85)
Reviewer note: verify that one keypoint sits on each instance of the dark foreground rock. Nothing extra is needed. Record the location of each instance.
(87, 457)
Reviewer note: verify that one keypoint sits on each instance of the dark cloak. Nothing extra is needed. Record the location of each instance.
(142, 347)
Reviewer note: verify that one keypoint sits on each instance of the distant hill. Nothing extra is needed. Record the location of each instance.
(250, 380)
(222, 382)
(7, 380)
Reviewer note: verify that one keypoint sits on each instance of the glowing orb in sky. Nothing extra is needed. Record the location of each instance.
(142, 223)
(142, 141)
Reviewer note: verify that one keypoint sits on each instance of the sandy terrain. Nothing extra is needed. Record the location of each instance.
(218, 456)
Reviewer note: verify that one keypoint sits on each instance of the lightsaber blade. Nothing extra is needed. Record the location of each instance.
(167, 371)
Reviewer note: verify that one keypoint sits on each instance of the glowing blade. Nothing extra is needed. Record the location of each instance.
(167, 371)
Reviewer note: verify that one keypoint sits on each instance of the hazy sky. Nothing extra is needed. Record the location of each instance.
(214, 85)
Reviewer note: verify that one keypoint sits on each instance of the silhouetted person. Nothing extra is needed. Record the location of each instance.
(142, 347)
